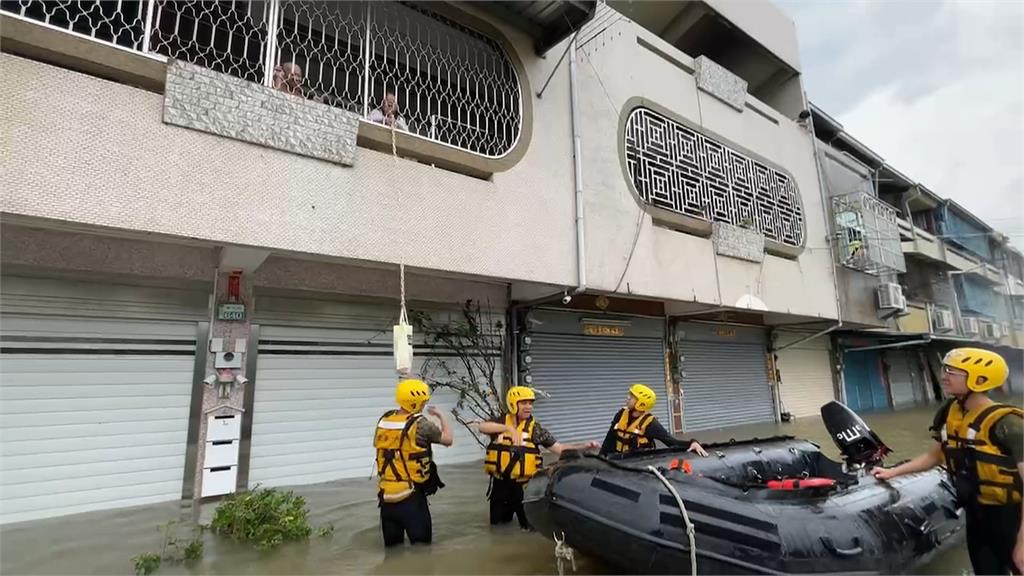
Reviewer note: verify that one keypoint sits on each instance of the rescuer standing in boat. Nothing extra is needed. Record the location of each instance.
(635, 428)
(981, 443)
(405, 466)
(513, 456)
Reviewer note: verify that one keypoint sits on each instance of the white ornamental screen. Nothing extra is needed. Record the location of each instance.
(683, 171)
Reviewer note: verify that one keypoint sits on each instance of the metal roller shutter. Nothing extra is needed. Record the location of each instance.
(725, 384)
(902, 383)
(587, 378)
(806, 374)
(862, 374)
(94, 413)
(319, 393)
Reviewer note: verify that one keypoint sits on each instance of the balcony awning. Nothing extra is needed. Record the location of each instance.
(546, 22)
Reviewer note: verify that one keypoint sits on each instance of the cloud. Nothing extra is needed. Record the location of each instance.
(937, 89)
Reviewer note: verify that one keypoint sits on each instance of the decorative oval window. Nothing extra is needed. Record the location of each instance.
(680, 170)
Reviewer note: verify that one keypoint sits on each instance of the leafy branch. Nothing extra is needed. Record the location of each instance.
(464, 356)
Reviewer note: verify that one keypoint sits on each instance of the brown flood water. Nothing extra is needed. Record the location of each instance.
(464, 543)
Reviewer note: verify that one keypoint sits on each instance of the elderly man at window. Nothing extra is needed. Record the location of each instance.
(288, 78)
(388, 114)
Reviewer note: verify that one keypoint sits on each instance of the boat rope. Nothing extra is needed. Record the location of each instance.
(563, 553)
(686, 518)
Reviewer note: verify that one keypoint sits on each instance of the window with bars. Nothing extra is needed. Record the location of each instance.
(453, 84)
(867, 234)
(683, 171)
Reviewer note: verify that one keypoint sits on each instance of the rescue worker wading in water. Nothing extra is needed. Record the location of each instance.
(635, 428)
(981, 443)
(513, 456)
(405, 466)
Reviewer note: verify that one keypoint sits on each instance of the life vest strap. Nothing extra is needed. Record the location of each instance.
(980, 419)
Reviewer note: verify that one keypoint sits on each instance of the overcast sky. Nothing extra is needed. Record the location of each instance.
(934, 87)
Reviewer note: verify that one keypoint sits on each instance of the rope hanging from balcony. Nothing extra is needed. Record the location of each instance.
(402, 330)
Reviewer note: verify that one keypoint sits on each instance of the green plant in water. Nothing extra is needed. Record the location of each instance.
(173, 549)
(146, 564)
(264, 517)
(325, 531)
(193, 550)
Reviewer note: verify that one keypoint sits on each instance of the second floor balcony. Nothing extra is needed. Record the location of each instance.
(417, 66)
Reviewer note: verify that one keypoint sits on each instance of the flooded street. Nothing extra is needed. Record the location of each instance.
(464, 543)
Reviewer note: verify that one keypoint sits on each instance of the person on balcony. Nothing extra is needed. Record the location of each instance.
(288, 78)
(388, 114)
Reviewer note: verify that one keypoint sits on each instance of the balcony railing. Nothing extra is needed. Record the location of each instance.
(450, 83)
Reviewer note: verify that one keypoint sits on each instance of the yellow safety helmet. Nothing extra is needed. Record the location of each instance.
(645, 397)
(517, 394)
(412, 395)
(979, 364)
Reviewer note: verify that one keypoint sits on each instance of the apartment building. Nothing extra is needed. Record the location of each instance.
(919, 275)
(193, 187)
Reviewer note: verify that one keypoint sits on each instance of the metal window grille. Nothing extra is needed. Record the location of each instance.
(328, 41)
(119, 23)
(453, 84)
(867, 234)
(683, 171)
(229, 37)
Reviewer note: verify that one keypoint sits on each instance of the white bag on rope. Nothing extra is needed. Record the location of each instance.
(403, 333)
(403, 347)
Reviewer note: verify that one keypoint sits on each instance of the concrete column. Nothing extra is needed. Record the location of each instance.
(234, 335)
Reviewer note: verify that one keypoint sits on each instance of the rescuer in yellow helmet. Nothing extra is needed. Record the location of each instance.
(405, 467)
(981, 442)
(635, 428)
(513, 455)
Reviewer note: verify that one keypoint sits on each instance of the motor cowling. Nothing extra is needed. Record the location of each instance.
(859, 445)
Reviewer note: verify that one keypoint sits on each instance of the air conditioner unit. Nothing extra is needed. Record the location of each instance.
(971, 326)
(942, 320)
(890, 297)
(990, 330)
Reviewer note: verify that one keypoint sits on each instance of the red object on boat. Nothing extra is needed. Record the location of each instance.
(800, 483)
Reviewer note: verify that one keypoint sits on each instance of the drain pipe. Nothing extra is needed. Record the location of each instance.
(577, 171)
(577, 156)
(827, 210)
(581, 262)
(907, 197)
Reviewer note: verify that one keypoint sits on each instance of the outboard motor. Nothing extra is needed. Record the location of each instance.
(859, 445)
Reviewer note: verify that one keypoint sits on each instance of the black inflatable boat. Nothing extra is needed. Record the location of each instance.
(772, 506)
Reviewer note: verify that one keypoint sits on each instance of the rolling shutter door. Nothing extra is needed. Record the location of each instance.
(318, 395)
(587, 378)
(725, 384)
(806, 374)
(95, 389)
(94, 413)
